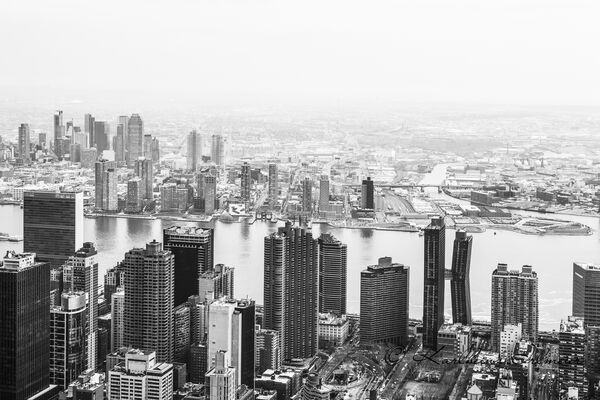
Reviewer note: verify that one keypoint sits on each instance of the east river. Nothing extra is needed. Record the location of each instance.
(241, 245)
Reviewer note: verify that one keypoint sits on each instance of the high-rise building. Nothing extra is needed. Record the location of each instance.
(149, 287)
(268, 355)
(80, 274)
(24, 146)
(182, 335)
(88, 127)
(210, 194)
(134, 195)
(193, 251)
(143, 169)
(147, 146)
(592, 357)
(332, 275)
(246, 182)
(221, 380)
(59, 128)
(572, 354)
(68, 339)
(216, 282)
(119, 144)
(384, 303)
(52, 225)
(324, 193)
(140, 377)
(155, 148)
(509, 337)
(291, 289)
(307, 195)
(42, 140)
(117, 327)
(586, 293)
(194, 150)
(232, 329)
(106, 186)
(434, 281)
(460, 287)
(24, 326)
(514, 301)
(243, 356)
(273, 184)
(367, 200)
(135, 136)
(101, 133)
(218, 150)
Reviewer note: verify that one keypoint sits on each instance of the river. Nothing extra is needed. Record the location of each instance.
(241, 246)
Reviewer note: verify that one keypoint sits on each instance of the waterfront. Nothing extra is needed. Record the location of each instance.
(241, 245)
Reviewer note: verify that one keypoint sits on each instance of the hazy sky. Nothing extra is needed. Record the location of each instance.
(509, 52)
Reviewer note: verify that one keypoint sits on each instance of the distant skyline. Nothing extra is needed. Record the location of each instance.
(319, 53)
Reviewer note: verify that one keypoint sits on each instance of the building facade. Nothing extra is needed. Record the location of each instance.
(333, 261)
(434, 281)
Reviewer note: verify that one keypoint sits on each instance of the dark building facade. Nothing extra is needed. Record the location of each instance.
(246, 310)
(24, 326)
(367, 194)
(332, 275)
(586, 293)
(292, 289)
(434, 281)
(52, 225)
(384, 290)
(459, 284)
(246, 182)
(193, 251)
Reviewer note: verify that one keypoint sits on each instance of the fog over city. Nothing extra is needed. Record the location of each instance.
(299, 200)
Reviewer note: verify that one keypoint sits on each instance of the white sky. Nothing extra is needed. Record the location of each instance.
(507, 52)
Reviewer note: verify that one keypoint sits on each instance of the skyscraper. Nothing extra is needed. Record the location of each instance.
(586, 293)
(193, 251)
(147, 146)
(367, 200)
(135, 136)
(332, 275)
(148, 313)
(218, 150)
(106, 186)
(24, 326)
(434, 281)
(324, 193)
(143, 169)
(80, 274)
(221, 380)
(273, 184)
(514, 301)
(24, 143)
(246, 182)
(384, 303)
(155, 148)
(117, 327)
(291, 282)
(459, 285)
(68, 339)
(307, 195)
(244, 320)
(210, 194)
(52, 225)
(194, 150)
(101, 132)
(134, 195)
(119, 144)
(59, 128)
(88, 127)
